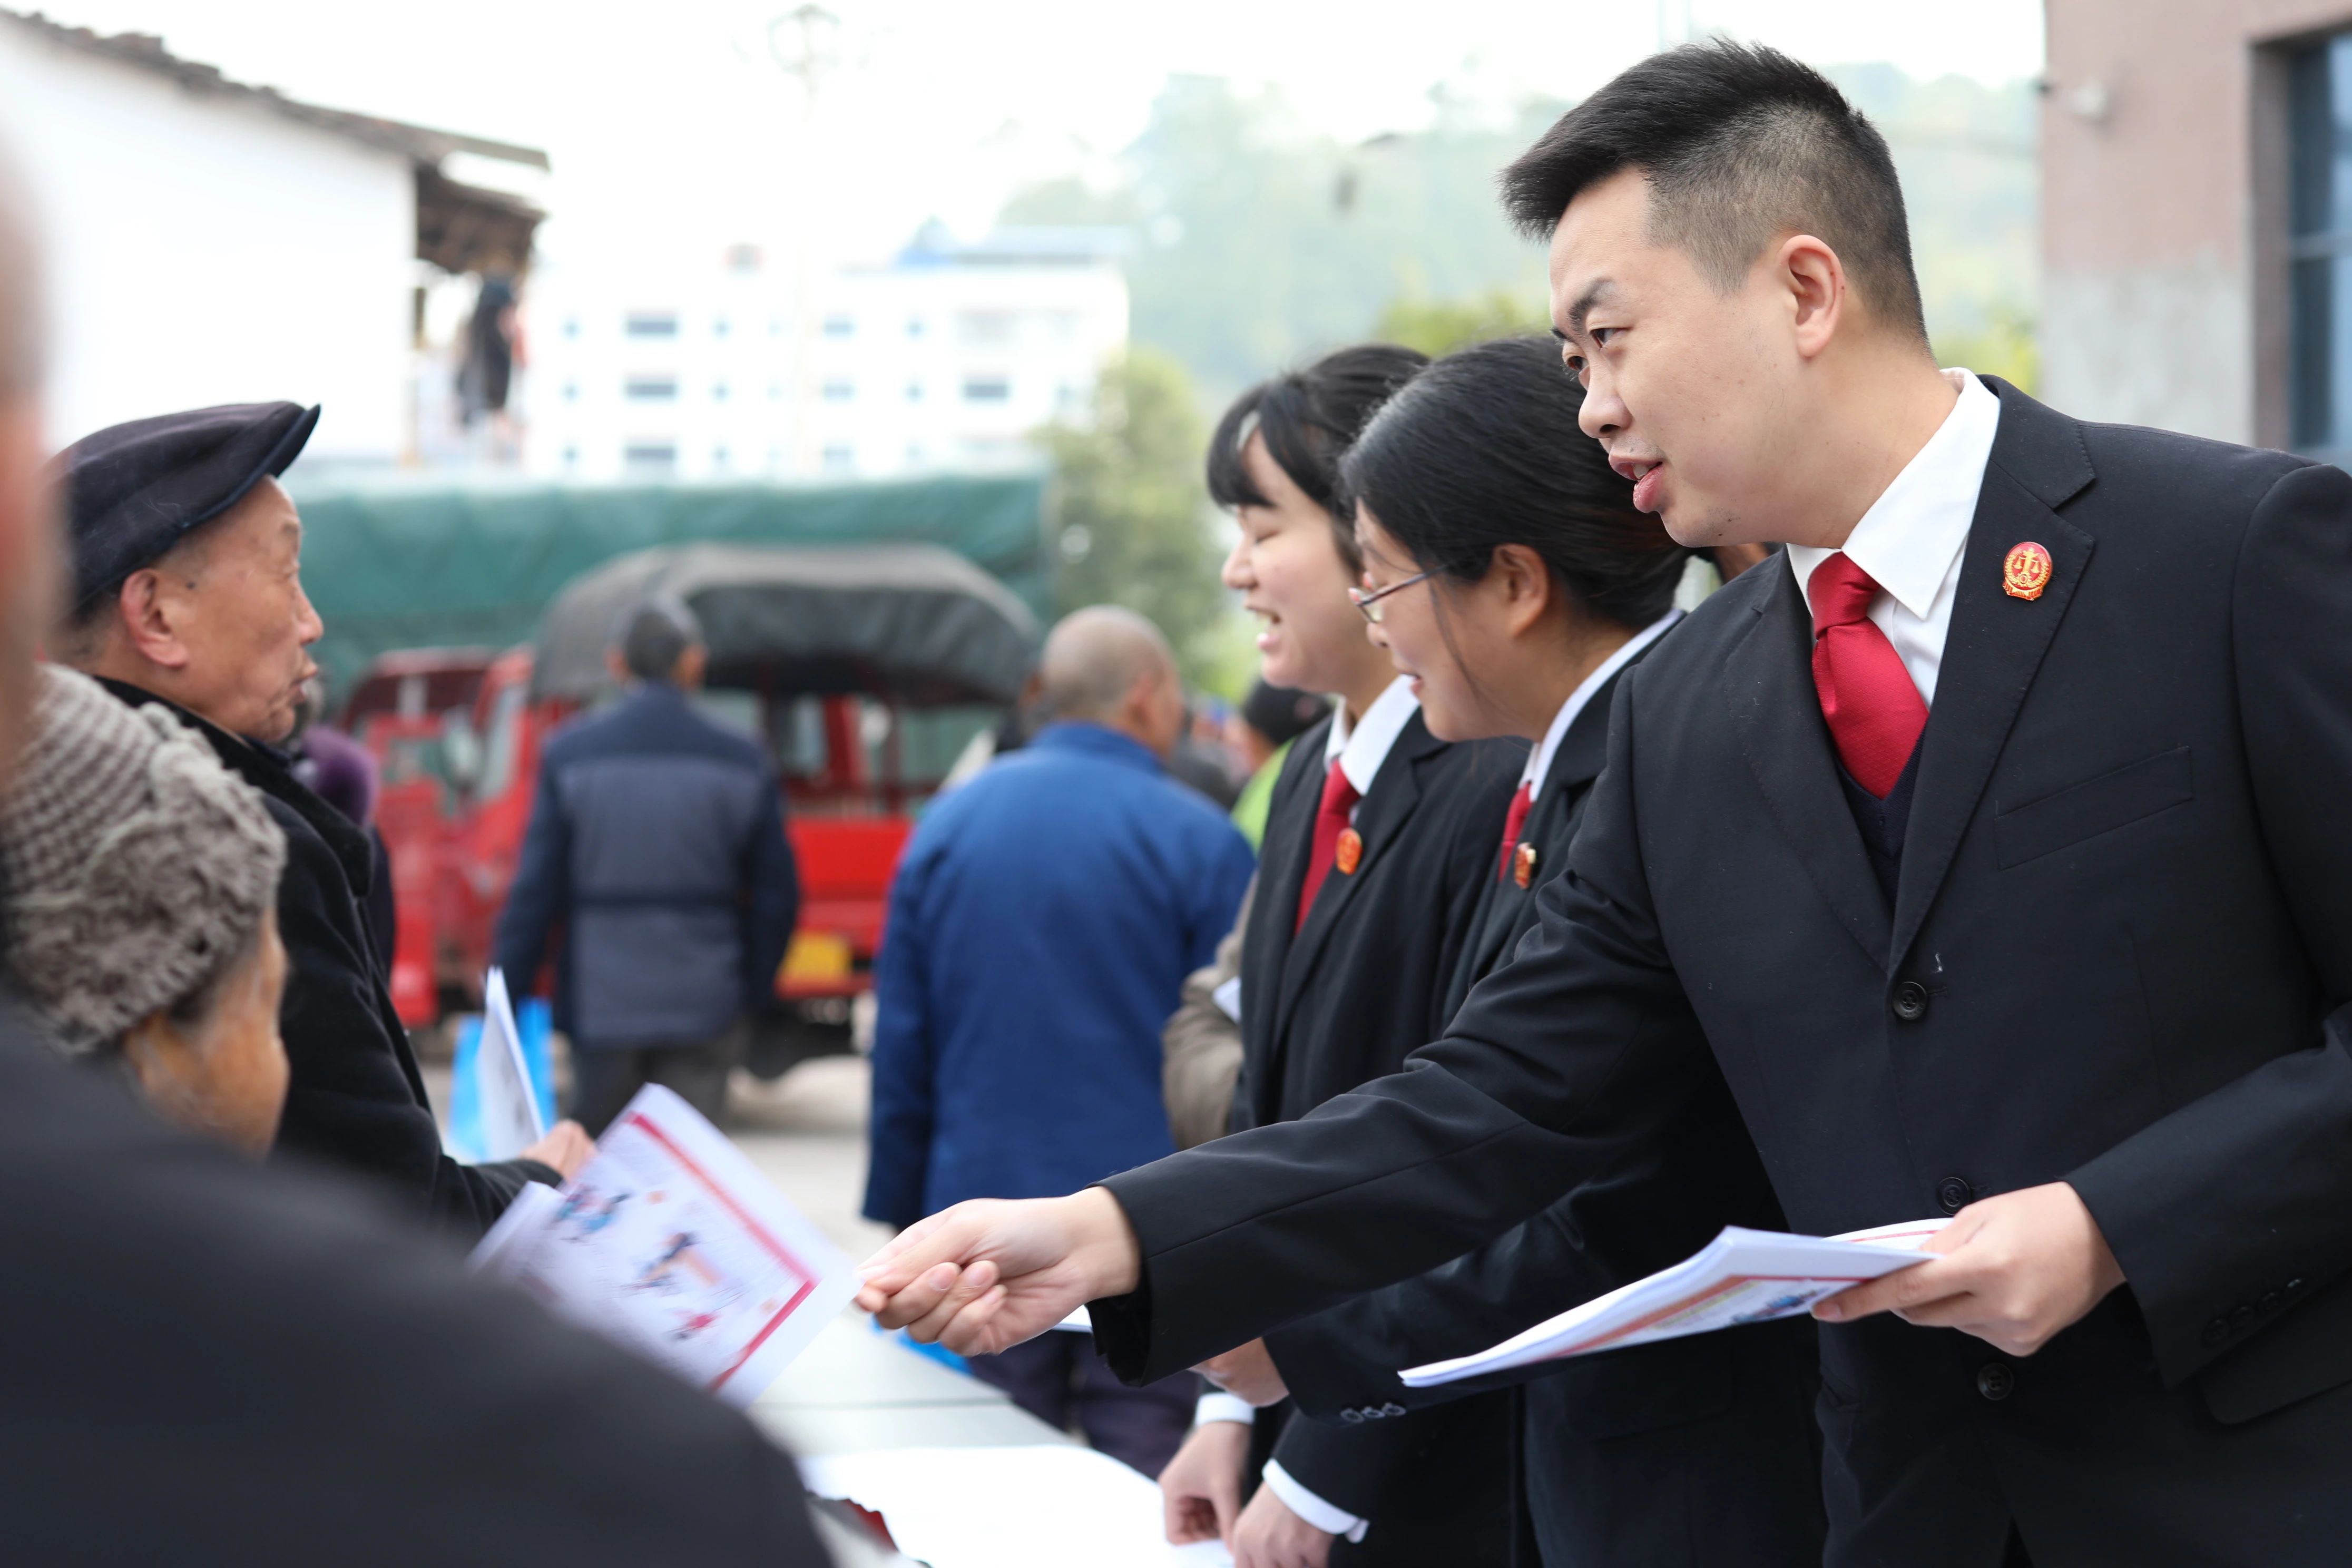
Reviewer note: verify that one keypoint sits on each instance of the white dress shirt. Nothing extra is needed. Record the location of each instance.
(1540, 760)
(1360, 748)
(1911, 538)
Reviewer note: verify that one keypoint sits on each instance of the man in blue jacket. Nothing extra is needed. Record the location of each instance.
(1041, 923)
(656, 839)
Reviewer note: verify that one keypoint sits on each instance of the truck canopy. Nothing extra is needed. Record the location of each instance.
(913, 623)
(398, 564)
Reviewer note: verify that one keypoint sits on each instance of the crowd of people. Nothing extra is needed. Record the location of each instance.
(1971, 854)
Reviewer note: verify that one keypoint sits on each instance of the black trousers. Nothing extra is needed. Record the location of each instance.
(1058, 1375)
(605, 1079)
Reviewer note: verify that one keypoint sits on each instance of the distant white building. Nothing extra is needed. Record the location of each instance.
(211, 242)
(947, 357)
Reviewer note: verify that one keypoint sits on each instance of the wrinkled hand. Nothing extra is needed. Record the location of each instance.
(1270, 1536)
(1200, 1490)
(2012, 1271)
(985, 1275)
(564, 1150)
(1247, 1371)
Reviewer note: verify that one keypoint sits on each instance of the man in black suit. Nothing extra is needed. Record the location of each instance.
(2003, 875)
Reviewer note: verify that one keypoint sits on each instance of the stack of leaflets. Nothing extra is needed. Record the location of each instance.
(1740, 1276)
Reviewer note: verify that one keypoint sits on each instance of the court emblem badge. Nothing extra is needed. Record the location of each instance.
(2026, 572)
(1523, 865)
(1349, 853)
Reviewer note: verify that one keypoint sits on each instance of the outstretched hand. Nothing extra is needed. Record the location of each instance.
(983, 1276)
(2012, 1271)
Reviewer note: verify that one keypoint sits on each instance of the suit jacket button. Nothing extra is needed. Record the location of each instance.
(2241, 1317)
(1953, 1192)
(1392, 1409)
(2215, 1332)
(1910, 1001)
(1352, 1417)
(1995, 1381)
(2271, 1302)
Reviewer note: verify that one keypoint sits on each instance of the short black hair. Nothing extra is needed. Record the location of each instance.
(1741, 144)
(656, 636)
(1484, 450)
(1308, 419)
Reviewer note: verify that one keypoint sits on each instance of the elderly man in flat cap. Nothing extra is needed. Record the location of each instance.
(186, 588)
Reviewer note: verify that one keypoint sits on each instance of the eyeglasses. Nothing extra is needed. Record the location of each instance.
(1365, 602)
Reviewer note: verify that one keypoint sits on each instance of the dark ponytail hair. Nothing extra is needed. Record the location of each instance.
(1308, 419)
(1482, 450)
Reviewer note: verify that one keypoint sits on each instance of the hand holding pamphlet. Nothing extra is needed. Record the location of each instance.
(672, 1243)
(1740, 1276)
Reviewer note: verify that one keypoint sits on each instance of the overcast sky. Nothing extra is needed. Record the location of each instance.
(672, 123)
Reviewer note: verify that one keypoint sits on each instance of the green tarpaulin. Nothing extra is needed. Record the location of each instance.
(401, 564)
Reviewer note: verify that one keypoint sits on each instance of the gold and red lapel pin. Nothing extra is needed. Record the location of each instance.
(1349, 853)
(1523, 863)
(2026, 572)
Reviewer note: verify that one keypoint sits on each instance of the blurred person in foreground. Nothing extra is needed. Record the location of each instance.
(228, 1366)
(657, 844)
(186, 592)
(1042, 921)
(140, 880)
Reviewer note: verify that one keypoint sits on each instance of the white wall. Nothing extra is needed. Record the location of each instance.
(204, 249)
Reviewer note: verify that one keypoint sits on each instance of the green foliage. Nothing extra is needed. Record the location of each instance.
(2008, 349)
(1438, 327)
(1259, 244)
(1130, 514)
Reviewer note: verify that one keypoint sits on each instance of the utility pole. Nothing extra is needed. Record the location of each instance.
(801, 43)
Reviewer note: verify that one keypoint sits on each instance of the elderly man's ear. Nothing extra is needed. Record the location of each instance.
(151, 611)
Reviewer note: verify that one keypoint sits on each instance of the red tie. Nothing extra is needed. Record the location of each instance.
(1874, 712)
(1339, 798)
(1512, 823)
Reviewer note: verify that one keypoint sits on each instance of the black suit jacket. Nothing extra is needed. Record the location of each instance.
(242, 1367)
(354, 1097)
(2118, 956)
(1722, 1421)
(1359, 987)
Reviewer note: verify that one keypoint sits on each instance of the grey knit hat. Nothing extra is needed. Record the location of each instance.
(133, 865)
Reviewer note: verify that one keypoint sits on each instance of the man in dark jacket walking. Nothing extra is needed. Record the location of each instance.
(656, 840)
(187, 591)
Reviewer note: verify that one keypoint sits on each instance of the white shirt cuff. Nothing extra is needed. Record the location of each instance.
(1222, 1407)
(1322, 1515)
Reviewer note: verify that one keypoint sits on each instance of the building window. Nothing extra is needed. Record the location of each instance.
(838, 459)
(719, 328)
(718, 393)
(838, 392)
(571, 326)
(651, 324)
(839, 326)
(775, 392)
(571, 391)
(650, 459)
(650, 388)
(718, 458)
(2320, 210)
(913, 392)
(986, 329)
(571, 456)
(987, 388)
(915, 327)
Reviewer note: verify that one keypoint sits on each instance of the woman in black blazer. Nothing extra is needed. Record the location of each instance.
(1379, 838)
(1512, 580)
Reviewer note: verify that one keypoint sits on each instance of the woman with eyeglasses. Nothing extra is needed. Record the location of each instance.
(1513, 583)
(1379, 841)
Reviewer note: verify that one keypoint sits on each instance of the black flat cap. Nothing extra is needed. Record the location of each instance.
(135, 491)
